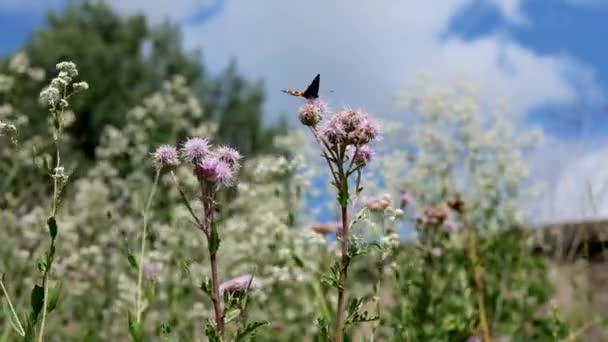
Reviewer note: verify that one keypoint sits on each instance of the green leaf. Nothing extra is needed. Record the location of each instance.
(13, 319)
(37, 300)
(214, 240)
(248, 330)
(136, 330)
(52, 223)
(54, 296)
(206, 286)
(231, 315)
(211, 332)
(131, 259)
(299, 262)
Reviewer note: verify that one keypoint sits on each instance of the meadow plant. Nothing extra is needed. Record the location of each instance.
(55, 98)
(343, 141)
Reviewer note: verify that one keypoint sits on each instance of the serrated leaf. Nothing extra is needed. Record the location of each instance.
(54, 296)
(136, 331)
(248, 330)
(13, 319)
(52, 224)
(214, 240)
(37, 300)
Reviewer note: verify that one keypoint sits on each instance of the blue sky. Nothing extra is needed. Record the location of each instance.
(547, 58)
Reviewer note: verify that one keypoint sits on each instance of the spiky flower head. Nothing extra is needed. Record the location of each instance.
(363, 155)
(229, 155)
(333, 132)
(195, 150)
(165, 156)
(311, 112)
(242, 283)
(215, 172)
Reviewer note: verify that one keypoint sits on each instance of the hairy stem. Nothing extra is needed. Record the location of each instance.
(142, 251)
(209, 205)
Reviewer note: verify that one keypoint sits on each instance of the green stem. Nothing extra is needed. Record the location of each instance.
(49, 263)
(10, 304)
(142, 252)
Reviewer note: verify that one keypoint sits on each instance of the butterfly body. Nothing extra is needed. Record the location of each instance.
(311, 92)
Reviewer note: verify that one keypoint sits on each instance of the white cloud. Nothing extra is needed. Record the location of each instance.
(511, 10)
(365, 52)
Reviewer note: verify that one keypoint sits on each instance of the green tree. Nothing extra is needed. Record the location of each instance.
(125, 58)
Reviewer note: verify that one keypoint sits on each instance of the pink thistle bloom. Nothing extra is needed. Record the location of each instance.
(371, 128)
(326, 228)
(474, 339)
(350, 119)
(334, 132)
(165, 156)
(239, 284)
(311, 112)
(214, 171)
(229, 156)
(363, 155)
(379, 203)
(195, 149)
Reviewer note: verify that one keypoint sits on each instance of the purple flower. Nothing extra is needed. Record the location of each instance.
(229, 156)
(195, 150)
(436, 252)
(311, 112)
(165, 156)
(334, 132)
(239, 284)
(350, 119)
(474, 338)
(371, 128)
(214, 171)
(406, 199)
(363, 155)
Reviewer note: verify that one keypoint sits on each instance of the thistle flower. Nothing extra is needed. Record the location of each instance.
(195, 149)
(379, 204)
(215, 172)
(326, 228)
(229, 156)
(334, 132)
(436, 214)
(239, 284)
(165, 156)
(311, 112)
(363, 155)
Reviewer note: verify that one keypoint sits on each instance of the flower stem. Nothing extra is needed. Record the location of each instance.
(340, 319)
(142, 251)
(49, 261)
(208, 229)
(478, 280)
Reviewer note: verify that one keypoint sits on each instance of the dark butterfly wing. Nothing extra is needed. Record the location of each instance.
(312, 92)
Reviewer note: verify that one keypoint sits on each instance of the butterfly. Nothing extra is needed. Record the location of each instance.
(311, 93)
